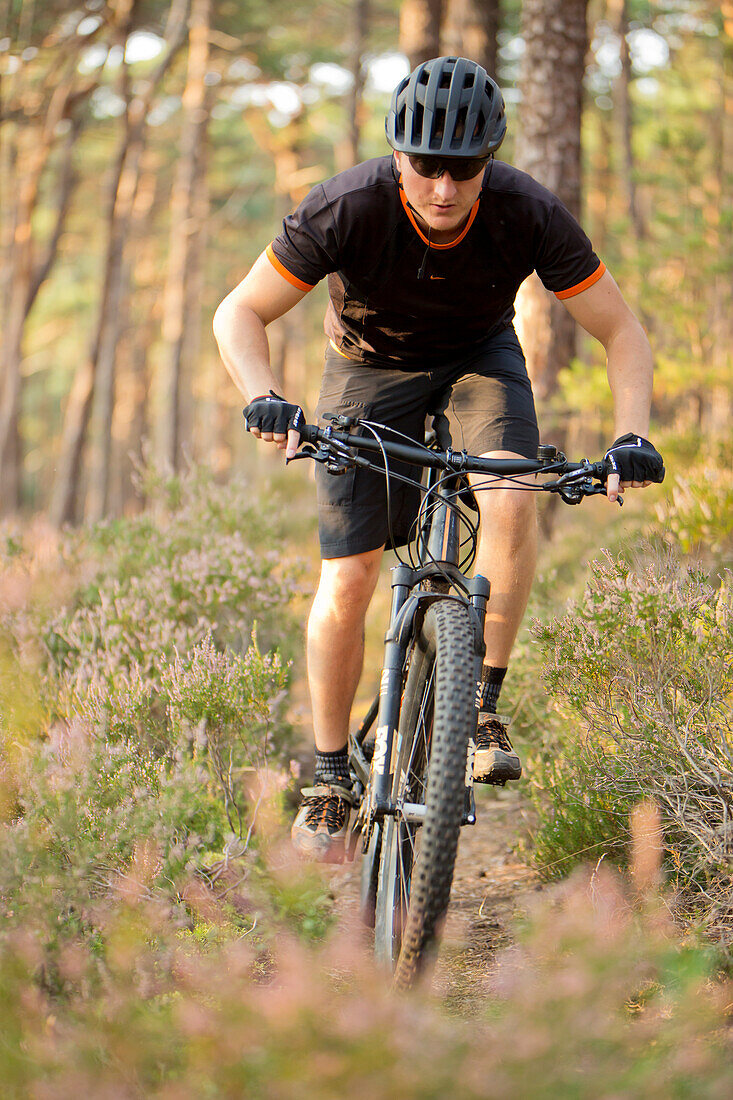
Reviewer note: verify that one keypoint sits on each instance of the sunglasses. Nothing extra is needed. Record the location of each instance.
(458, 168)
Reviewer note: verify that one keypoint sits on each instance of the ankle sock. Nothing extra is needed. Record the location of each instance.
(491, 681)
(333, 767)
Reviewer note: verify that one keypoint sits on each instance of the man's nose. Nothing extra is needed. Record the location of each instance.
(445, 186)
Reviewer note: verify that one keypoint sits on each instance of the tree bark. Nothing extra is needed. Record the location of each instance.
(184, 225)
(548, 147)
(421, 24)
(356, 66)
(64, 500)
(619, 18)
(471, 30)
(25, 272)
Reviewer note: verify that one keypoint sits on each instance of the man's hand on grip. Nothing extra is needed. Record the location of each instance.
(632, 461)
(275, 420)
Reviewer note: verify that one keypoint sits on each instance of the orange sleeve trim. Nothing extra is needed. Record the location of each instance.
(282, 270)
(580, 287)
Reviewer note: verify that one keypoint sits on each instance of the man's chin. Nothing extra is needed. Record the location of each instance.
(446, 223)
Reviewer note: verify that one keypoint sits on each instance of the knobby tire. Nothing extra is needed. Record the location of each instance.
(429, 766)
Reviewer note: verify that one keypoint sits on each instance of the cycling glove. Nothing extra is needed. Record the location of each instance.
(634, 458)
(272, 413)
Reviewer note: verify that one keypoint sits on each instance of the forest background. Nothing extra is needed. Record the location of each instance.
(156, 563)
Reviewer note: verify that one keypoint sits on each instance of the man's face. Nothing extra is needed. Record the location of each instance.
(442, 204)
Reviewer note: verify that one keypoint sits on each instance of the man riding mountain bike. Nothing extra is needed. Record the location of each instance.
(424, 251)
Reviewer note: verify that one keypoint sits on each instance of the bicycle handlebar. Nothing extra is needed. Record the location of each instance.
(337, 447)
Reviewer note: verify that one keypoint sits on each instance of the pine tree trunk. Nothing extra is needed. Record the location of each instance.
(64, 501)
(183, 226)
(26, 273)
(358, 46)
(619, 18)
(421, 23)
(471, 30)
(548, 147)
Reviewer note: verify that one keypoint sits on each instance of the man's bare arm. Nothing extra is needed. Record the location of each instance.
(239, 328)
(603, 312)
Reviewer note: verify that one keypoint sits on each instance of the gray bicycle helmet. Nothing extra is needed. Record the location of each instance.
(447, 107)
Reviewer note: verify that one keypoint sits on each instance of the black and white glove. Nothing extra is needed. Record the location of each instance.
(272, 414)
(634, 458)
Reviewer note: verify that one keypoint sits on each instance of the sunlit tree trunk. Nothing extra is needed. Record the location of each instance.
(719, 237)
(64, 501)
(619, 18)
(471, 29)
(25, 270)
(421, 23)
(548, 147)
(360, 33)
(192, 369)
(114, 307)
(184, 225)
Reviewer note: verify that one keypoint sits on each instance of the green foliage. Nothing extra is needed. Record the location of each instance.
(87, 811)
(641, 669)
(137, 712)
(699, 515)
(155, 639)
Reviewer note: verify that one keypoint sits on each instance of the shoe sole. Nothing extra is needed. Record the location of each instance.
(496, 767)
(319, 848)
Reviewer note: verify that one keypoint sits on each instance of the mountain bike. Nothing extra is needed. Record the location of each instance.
(411, 758)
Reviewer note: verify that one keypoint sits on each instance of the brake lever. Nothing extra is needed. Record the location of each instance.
(573, 493)
(306, 452)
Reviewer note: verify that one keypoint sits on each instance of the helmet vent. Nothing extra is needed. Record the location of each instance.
(448, 106)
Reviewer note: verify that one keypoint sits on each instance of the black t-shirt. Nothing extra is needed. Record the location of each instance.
(357, 230)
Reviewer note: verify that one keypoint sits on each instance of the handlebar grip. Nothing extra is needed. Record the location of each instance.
(309, 433)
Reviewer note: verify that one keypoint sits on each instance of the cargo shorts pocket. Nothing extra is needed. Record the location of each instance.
(336, 490)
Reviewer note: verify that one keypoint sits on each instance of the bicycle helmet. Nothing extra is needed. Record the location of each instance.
(447, 107)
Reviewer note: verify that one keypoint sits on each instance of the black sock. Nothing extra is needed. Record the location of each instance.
(491, 681)
(333, 767)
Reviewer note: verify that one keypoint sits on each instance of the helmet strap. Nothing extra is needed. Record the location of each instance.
(423, 265)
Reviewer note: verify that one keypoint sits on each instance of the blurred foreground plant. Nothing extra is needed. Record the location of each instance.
(599, 1000)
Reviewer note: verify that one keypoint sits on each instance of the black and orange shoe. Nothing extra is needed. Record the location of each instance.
(322, 823)
(495, 760)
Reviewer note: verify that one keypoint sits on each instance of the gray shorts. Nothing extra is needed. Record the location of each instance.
(487, 397)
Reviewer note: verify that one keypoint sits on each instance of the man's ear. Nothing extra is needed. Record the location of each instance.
(397, 159)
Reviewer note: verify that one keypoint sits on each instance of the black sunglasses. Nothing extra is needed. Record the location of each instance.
(458, 168)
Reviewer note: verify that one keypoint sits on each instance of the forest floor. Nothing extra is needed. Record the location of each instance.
(492, 889)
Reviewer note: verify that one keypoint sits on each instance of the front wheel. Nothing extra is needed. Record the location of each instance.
(420, 841)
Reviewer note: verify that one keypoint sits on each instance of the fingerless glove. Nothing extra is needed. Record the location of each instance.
(634, 458)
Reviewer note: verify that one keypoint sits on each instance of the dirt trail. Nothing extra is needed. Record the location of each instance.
(490, 888)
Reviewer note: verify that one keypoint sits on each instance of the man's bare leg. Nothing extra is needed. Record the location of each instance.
(335, 649)
(507, 555)
(335, 643)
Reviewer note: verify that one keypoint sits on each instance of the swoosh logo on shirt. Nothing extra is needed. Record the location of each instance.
(437, 276)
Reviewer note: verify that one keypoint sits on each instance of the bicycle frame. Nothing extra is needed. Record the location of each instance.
(438, 549)
(438, 570)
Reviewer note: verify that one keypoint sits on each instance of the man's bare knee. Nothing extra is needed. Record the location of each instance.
(347, 584)
(510, 513)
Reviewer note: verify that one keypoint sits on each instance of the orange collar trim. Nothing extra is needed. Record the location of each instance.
(418, 230)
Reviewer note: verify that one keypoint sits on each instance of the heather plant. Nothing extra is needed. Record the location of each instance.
(84, 807)
(641, 669)
(598, 999)
(163, 583)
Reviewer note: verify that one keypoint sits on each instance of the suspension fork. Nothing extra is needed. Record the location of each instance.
(479, 589)
(390, 687)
